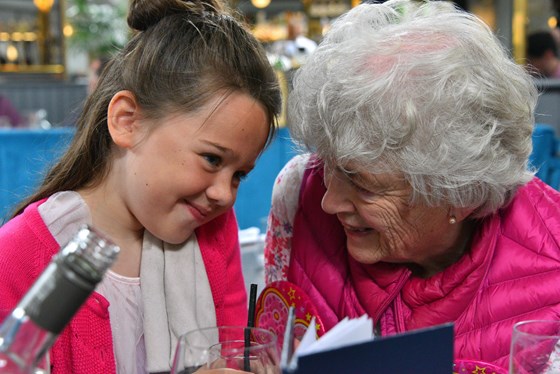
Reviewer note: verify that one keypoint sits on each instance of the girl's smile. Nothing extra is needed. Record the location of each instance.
(198, 213)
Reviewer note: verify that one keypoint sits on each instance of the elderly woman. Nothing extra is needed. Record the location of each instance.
(417, 205)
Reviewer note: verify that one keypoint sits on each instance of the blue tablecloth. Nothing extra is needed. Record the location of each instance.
(25, 155)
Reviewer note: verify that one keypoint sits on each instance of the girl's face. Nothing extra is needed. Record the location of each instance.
(381, 224)
(186, 168)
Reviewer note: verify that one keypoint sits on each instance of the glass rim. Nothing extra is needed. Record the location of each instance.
(517, 327)
(238, 350)
(270, 334)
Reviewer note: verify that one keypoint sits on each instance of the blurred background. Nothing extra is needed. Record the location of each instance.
(49, 46)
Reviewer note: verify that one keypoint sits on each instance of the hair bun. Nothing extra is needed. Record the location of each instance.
(146, 13)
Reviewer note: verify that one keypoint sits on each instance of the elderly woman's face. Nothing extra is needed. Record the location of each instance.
(380, 223)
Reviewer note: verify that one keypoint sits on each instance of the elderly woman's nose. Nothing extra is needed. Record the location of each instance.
(336, 199)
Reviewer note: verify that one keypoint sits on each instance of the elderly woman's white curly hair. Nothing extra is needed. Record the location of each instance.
(421, 89)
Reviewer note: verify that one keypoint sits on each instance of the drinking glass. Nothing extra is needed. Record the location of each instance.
(227, 348)
(44, 366)
(535, 347)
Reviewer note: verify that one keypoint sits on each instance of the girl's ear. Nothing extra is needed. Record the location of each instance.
(123, 115)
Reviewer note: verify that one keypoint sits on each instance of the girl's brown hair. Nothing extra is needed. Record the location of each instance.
(182, 54)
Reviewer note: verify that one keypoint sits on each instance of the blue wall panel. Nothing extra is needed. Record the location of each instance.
(253, 198)
(25, 155)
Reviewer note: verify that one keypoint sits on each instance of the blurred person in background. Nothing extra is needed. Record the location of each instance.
(9, 115)
(296, 47)
(95, 69)
(414, 202)
(542, 55)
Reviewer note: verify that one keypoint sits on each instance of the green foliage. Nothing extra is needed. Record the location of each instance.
(99, 28)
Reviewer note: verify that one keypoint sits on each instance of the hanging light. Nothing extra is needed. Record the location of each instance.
(68, 30)
(11, 53)
(44, 5)
(260, 3)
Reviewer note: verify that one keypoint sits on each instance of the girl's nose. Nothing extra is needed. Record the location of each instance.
(222, 191)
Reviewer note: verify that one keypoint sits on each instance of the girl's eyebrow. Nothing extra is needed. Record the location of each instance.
(219, 147)
(226, 151)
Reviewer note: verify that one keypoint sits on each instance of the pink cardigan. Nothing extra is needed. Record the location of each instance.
(511, 273)
(85, 345)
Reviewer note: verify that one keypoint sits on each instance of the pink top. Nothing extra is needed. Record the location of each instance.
(62, 213)
(86, 344)
(511, 272)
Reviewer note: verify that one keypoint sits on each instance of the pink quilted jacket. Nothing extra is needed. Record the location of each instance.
(85, 345)
(511, 273)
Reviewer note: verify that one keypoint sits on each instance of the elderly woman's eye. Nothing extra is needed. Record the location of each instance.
(360, 188)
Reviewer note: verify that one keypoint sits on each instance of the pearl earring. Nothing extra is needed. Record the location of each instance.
(452, 220)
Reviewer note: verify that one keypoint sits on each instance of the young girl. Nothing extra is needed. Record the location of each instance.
(177, 120)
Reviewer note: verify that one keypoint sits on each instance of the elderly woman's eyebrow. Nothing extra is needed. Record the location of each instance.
(353, 175)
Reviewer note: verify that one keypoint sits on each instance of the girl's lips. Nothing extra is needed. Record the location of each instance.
(198, 213)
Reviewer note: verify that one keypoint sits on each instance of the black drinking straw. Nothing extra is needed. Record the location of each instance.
(288, 344)
(250, 323)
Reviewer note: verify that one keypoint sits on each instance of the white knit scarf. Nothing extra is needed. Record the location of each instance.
(176, 294)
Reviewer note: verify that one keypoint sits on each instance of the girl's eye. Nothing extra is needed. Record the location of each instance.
(240, 176)
(213, 160)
